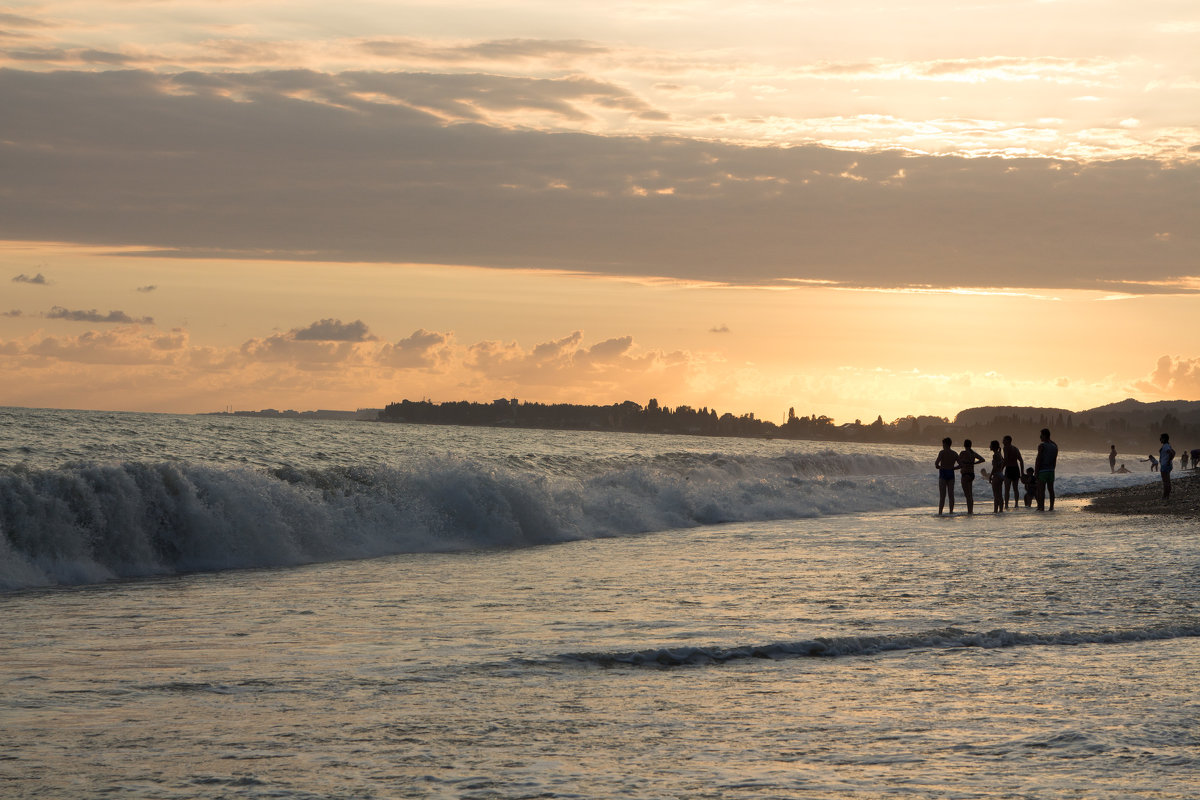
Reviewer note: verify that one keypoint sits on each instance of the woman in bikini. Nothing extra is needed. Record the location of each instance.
(997, 477)
(946, 462)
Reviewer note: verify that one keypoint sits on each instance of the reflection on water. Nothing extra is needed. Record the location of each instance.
(459, 675)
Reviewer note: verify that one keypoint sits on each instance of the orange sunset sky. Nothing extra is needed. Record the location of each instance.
(850, 208)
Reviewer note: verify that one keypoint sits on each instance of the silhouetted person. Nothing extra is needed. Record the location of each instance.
(1153, 462)
(1014, 465)
(1166, 457)
(946, 462)
(1029, 483)
(1112, 458)
(997, 477)
(1183, 456)
(967, 460)
(1121, 470)
(1043, 465)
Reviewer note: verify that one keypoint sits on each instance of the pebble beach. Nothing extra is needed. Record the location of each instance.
(1147, 498)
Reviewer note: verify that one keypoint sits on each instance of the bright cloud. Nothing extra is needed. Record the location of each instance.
(1173, 378)
(559, 370)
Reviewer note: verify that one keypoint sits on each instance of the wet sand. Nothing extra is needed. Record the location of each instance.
(1147, 498)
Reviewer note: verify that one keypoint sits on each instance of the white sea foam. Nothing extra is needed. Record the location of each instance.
(91, 497)
(85, 523)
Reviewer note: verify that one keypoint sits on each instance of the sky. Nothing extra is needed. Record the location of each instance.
(848, 208)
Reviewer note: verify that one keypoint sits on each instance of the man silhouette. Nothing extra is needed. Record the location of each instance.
(1166, 458)
(1014, 465)
(1043, 467)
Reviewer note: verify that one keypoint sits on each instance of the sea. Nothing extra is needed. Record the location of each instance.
(236, 607)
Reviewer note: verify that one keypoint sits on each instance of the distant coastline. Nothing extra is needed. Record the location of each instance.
(1131, 425)
(362, 414)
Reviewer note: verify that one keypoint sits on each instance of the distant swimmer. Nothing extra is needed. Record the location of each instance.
(1121, 470)
(1043, 465)
(946, 462)
(1166, 457)
(1014, 465)
(1112, 458)
(967, 460)
(997, 477)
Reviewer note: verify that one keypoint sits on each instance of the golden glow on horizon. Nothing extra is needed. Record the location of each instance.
(469, 333)
(953, 290)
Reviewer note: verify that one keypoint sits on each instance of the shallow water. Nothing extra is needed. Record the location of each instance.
(884, 652)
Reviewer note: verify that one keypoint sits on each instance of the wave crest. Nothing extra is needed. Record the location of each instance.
(88, 522)
(834, 647)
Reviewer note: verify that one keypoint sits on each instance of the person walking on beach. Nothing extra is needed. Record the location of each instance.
(1166, 455)
(997, 477)
(1112, 458)
(1014, 465)
(1043, 467)
(946, 462)
(967, 460)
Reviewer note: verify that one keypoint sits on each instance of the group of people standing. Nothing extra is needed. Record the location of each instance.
(1154, 461)
(1007, 476)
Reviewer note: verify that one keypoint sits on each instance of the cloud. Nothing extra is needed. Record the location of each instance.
(307, 354)
(415, 168)
(447, 97)
(560, 367)
(501, 50)
(13, 314)
(423, 349)
(333, 330)
(567, 369)
(719, 329)
(18, 21)
(1088, 71)
(1173, 378)
(129, 346)
(58, 312)
(38, 279)
(610, 351)
(558, 350)
(148, 288)
(323, 345)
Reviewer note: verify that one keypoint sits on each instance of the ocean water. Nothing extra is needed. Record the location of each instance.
(231, 607)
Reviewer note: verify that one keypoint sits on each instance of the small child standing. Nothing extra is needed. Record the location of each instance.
(1029, 481)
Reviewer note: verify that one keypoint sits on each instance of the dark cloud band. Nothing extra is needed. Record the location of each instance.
(404, 167)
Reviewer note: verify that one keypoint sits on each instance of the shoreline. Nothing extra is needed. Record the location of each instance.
(1146, 499)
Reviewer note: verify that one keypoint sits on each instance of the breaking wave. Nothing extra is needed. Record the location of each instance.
(92, 522)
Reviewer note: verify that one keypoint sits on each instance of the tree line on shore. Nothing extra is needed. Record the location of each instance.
(1129, 425)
